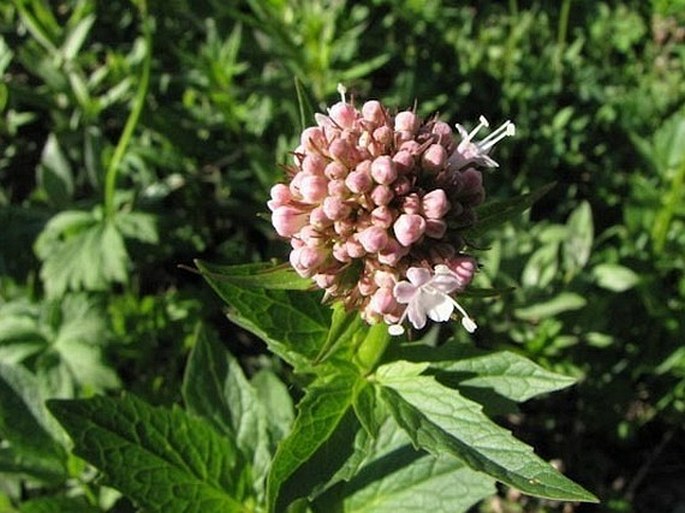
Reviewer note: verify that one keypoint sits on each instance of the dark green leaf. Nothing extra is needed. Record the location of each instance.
(396, 478)
(163, 459)
(495, 213)
(34, 439)
(293, 323)
(441, 421)
(215, 388)
(322, 439)
(58, 505)
(54, 173)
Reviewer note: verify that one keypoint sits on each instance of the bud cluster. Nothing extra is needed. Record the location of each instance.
(371, 195)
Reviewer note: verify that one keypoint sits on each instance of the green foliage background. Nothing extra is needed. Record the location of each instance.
(135, 137)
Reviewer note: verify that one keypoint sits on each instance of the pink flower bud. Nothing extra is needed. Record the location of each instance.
(411, 204)
(412, 146)
(323, 280)
(338, 188)
(383, 170)
(318, 219)
(310, 236)
(342, 151)
(280, 195)
(435, 204)
(372, 111)
(381, 195)
(343, 114)
(288, 220)
(436, 228)
(335, 170)
(471, 179)
(305, 260)
(404, 161)
(464, 267)
(383, 135)
(434, 158)
(344, 227)
(335, 208)
(409, 228)
(392, 253)
(385, 279)
(314, 164)
(373, 239)
(340, 252)
(406, 121)
(313, 188)
(382, 217)
(354, 248)
(382, 301)
(366, 285)
(312, 139)
(444, 133)
(359, 182)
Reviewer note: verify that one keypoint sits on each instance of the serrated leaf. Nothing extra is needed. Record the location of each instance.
(163, 459)
(509, 374)
(259, 275)
(495, 213)
(563, 302)
(81, 251)
(215, 388)
(137, 226)
(321, 440)
(397, 478)
(442, 421)
(34, 439)
(294, 324)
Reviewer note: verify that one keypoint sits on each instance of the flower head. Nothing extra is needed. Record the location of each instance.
(375, 205)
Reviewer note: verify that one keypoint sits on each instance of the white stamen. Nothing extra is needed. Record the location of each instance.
(342, 90)
(482, 122)
(395, 329)
(506, 129)
(466, 321)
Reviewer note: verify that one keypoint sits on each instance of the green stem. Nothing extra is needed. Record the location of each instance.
(134, 116)
(671, 202)
(562, 31)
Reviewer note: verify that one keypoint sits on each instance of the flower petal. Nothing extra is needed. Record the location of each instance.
(416, 314)
(404, 292)
(419, 275)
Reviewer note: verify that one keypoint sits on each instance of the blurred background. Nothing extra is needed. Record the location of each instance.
(135, 137)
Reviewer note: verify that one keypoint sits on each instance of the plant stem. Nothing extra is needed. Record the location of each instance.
(134, 116)
(562, 31)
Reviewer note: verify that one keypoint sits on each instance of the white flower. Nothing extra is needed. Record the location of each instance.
(426, 295)
(477, 152)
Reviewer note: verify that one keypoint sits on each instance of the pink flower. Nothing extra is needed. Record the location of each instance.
(426, 295)
(477, 153)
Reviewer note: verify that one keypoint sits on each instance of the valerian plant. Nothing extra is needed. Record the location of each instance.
(381, 210)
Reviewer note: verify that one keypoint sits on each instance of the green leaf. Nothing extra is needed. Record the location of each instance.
(615, 277)
(74, 41)
(137, 226)
(58, 505)
(441, 421)
(494, 213)
(259, 275)
(321, 440)
(34, 439)
(163, 459)
(81, 251)
(563, 302)
(215, 388)
(293, 323)
(578, 243)
(55, 175)
(396, 478)
(274, 395)
(509, 374)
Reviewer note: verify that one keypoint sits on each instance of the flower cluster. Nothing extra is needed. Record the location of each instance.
(373, 198)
